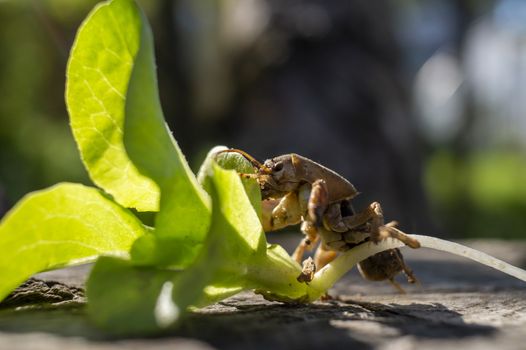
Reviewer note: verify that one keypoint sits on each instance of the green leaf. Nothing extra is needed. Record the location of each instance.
(64, 225)
(130, 299)
(236, 219)
(236, 249)
(98, 74)
(182, 223)
(223, 250)
(236, 239)
(127, 299)
(118, 123)
(231, 161)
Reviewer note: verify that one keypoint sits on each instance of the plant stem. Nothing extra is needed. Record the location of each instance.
(330, 274)
(275, 277)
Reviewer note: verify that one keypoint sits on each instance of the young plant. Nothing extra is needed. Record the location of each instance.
(207, 242)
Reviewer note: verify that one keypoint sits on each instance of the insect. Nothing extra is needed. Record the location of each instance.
(297, 190)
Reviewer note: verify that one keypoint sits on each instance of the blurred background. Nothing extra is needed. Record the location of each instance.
(420, 104)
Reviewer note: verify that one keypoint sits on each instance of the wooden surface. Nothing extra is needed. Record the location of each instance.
(458, 305)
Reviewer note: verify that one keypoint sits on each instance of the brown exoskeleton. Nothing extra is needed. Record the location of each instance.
(298, 190)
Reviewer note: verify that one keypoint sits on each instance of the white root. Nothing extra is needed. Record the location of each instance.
(326, 277)
(470, 253)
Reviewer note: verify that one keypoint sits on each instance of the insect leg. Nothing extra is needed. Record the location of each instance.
(306, 243)
(373, 214)
(324, 255)
(267, 206)
(313, 202)
(406, 269)
(373, 211)
(318, 203)
(280, 213)
(396, 285)
(391, 231)
(333, 220)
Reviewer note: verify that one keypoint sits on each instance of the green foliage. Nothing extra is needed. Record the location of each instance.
(234, 258)
(65, 225)
(184, 217)
(194, 255)
(36, 147)
(207, 242)
(480, 195)
(98, 73)
(124, 298)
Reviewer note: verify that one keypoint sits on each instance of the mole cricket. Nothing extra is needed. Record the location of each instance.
(295, 190)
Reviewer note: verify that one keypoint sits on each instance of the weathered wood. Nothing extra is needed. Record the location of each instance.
(458, 305)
